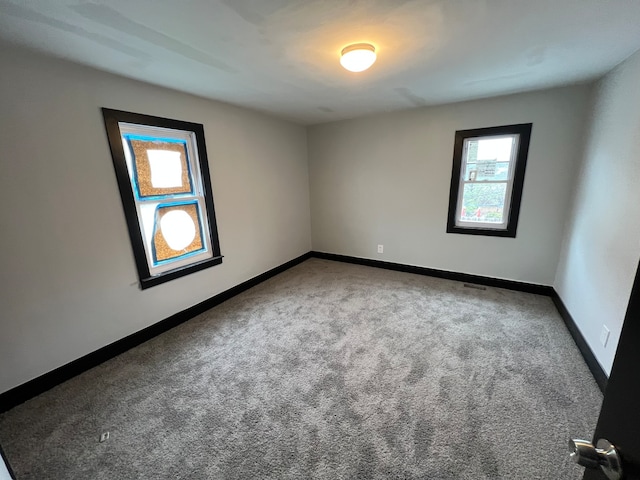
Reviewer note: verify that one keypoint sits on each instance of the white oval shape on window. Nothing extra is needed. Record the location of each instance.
(177, 229)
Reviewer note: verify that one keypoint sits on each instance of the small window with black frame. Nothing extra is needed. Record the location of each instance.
(487, 180)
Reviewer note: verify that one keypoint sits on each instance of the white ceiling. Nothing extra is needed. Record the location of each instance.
(282, 56)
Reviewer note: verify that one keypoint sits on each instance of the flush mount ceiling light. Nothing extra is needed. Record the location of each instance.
(358, 57)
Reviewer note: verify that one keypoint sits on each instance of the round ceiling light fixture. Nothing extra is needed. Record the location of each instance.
(358, 57)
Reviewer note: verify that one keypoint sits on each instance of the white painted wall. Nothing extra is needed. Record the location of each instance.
(602, 243)
(385, 180)
(68, 278)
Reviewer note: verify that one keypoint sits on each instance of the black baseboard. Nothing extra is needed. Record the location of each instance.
(41, 384)
(432, 272)
(596, 370)
(6, 462)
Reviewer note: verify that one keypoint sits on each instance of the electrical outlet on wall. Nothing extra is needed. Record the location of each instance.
(604, 336)
(380, 248)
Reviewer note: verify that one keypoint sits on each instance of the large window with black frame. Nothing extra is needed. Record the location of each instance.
(163, 173)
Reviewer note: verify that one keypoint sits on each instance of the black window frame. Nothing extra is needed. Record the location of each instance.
(112, 118)
(524, 132)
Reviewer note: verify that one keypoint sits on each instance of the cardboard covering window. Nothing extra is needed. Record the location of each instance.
(164, 179)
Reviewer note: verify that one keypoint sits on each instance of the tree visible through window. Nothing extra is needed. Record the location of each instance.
(487, 180)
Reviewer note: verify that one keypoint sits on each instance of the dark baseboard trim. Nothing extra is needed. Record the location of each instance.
(41, 384)
(6, 462)
(596, 370)
(432, 272)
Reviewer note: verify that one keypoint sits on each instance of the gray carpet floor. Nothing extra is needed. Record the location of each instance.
(327, 371)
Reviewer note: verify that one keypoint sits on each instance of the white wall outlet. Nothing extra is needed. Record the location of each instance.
(380, 248)
(604, 336)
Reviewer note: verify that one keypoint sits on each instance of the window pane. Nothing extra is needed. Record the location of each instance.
(148, 219)
(160, 166)
(497, 149)
(166, 168)
(177, 231)
(483, 202)
(488, 158)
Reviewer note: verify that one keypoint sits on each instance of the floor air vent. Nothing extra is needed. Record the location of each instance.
(477, 287)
